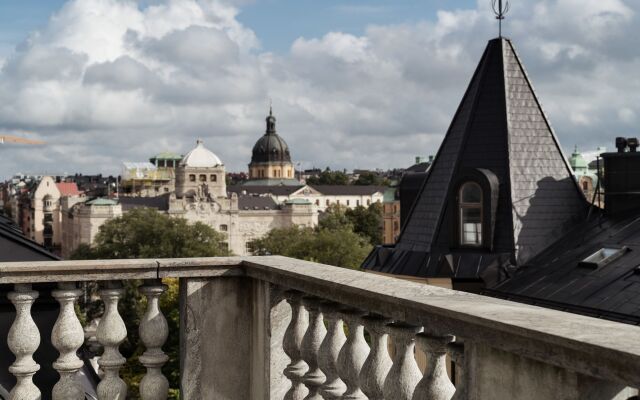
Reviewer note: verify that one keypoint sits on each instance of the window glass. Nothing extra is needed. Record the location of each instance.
(213, 178)
(203, 178)
(192, 178)
(470, 214)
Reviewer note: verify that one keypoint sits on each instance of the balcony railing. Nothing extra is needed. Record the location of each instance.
(274, 328)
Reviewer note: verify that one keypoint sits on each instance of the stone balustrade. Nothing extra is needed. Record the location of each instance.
(279, 328)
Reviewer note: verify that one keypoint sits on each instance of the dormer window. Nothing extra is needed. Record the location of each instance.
(470, 214)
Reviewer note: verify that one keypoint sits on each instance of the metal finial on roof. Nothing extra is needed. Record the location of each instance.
(501, 9)
(270, 107)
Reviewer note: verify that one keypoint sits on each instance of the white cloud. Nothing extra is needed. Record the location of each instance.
(109, 80)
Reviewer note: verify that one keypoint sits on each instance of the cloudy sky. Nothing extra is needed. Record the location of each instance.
(361, 84)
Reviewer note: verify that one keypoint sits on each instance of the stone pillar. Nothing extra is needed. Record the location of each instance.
(67, 337)
(311, 341)
(153, 334)
(353, 355)
(228, 322)
(377, 366)
(23, 341)
(111, 333)
(456, 350)
(292, 346)
(404, 374)
(333, 387)
(435, 384)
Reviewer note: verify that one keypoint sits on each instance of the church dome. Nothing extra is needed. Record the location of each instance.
(270, 147)
(200, 157)
(577, 162)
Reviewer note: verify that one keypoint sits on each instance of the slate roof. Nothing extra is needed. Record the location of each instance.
(14, 246)
(159, 202)
(500, 127)
(349, 190)
(554, 279)
(247, 202)
(263, 189)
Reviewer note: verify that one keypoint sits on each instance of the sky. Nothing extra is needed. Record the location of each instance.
(354, 84)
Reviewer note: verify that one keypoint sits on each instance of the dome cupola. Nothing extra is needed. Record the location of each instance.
(270, 147)
(200, 157)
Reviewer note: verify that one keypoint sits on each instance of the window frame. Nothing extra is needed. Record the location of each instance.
(462, 206)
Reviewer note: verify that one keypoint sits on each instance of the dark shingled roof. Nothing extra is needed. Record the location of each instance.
(554, 278)
(263, 189)
(14, 246)
(499, 127)
(160, 203)
(349, 190)
(247, 202)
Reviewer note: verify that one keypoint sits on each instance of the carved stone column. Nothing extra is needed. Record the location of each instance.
(456, 350)
(292, 344)
(377, 366)
(111, 333)
(67, 337)
(153, 333)
(23, 340)
(404, 374)
(435, 384)
(352, 356)
(311, 341)
(333, 387)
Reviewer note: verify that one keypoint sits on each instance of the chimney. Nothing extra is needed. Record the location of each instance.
(621, 179)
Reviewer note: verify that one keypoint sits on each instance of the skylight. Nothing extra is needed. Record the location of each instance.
(603, 257)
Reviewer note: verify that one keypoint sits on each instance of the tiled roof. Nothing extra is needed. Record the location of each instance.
(68, 189)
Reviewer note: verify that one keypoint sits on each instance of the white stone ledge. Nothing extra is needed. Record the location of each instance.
(595, 347)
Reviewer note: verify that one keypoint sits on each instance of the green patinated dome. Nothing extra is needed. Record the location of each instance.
(576, 161)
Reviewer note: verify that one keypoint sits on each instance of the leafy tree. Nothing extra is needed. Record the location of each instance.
(333, 242)
(328, 177)
(367, 221)
(370, 178)
(145, 233)
(340, 247)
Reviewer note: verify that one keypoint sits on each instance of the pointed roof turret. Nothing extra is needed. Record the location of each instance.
(501, 134)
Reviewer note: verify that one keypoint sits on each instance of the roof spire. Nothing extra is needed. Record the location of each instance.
(271, 120)
(500, 9)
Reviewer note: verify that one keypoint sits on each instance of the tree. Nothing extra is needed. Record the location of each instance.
(367, 222)
(370, 178)
(146, 233)
(328, 177)
(340, 247)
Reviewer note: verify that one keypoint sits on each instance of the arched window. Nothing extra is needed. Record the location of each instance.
(470, 214)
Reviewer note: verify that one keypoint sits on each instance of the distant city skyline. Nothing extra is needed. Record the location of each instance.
(354, 84)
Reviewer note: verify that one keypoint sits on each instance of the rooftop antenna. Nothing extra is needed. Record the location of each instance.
(501, 9)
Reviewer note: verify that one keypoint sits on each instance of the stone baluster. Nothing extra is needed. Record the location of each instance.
(23, 340)
(111, 333)
(404, 375)
(353, 355)
(67, 337)
(377, 366)
(435, 384)
(153, 333)
(292, 343)
(456, 350)
(333, 387)
(311, 341)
